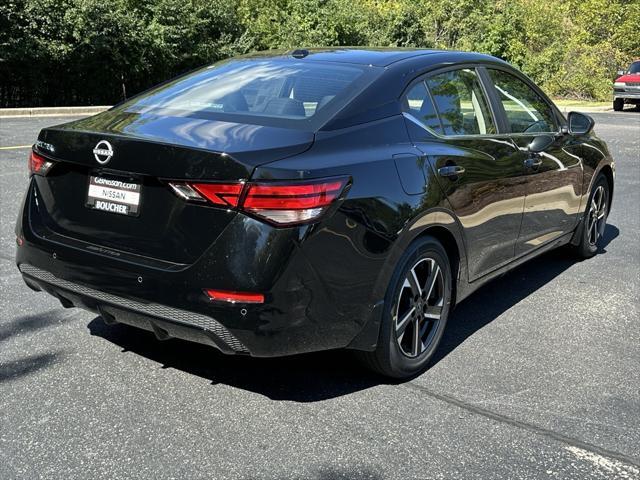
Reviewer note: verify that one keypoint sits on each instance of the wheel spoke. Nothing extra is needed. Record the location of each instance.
(433, 312)
(431, 281)
(401, 325)
(594, 232)
(416, 338)
(423, 330)
(600, 196)
(414, 282)
(602, 209)
(592, 221)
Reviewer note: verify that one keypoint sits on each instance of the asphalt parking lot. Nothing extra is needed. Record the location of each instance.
(538, 377)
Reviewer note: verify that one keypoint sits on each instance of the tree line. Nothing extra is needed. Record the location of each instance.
(82, 52)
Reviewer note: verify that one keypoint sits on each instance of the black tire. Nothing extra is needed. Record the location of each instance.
(597, 205)
(394, 355)
(618, 104)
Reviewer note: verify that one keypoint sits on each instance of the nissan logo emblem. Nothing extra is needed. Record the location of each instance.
(103, 152)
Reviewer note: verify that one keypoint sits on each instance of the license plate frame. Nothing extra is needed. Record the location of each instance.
(120, 196)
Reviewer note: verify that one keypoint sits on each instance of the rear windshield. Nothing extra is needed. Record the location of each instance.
(275, 92)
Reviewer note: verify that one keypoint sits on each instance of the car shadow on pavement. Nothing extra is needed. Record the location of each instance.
(32, 323)
(483, 306)
(323, 375)
(15, 369)
(302, 378)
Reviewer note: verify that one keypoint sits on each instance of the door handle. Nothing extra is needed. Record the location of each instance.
(533, 162)
(450, 171)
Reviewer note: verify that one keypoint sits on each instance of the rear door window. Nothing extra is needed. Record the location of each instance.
(526, 111)
(452, 103)
(421, 107)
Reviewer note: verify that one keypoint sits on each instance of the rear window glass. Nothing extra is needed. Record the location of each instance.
(257, 91)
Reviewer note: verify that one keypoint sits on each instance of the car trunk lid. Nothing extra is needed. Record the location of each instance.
(145, 156)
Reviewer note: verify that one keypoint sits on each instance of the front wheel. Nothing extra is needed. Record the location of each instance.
(595, 218)
(618, 104)
(415, 313)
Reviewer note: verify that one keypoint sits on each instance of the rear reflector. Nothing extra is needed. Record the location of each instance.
(38, 164)
(281, 203)
(235, 297)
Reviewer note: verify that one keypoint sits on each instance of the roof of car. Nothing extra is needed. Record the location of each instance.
(380, 57)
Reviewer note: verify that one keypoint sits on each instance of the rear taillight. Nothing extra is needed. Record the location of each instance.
(281, 203)
(290, 203)
(223, 194)
(38, 165)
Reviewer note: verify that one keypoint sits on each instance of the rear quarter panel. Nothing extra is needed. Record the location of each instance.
(355, 251)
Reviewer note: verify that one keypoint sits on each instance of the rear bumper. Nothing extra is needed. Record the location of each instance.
(166, 322)
(310, 304)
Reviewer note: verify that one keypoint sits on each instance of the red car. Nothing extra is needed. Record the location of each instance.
(626, 88)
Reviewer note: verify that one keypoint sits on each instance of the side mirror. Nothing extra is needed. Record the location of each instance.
(540, 143)
(621, 72)
(580, 124)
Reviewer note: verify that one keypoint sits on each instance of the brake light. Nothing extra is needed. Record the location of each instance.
(38, 164)
(291, 203)
(225, 194)
(281, 203)
(235, 297)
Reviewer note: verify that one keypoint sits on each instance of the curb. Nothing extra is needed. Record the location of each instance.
(51, 111)
(578, 108)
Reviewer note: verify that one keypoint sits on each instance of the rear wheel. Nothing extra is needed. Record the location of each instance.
(415, 313)
(618, 104)
(595, 218)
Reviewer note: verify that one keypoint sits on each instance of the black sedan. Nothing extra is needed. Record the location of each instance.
(289, 202)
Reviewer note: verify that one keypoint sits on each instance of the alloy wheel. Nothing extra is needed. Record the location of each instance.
(419, 307)
(597, 217)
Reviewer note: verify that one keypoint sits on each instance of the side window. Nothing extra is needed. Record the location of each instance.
(454, 104)
(460, 103)
(526, 111)
(421, 107)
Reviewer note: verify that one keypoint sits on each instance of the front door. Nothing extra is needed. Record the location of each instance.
(554, 176)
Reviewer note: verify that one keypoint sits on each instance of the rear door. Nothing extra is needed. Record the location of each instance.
(480, 171)
(554, 176)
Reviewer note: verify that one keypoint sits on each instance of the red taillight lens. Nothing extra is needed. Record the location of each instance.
(225, 194)
(292, 203)
(235, 297)
(38, 164)
(287, 197)
(281, 203)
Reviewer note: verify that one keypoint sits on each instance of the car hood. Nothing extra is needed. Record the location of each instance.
(630, 77)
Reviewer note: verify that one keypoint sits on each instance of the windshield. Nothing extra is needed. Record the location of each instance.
(634, 68)
(277, 92)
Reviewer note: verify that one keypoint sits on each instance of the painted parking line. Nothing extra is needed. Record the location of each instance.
(15, 147)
